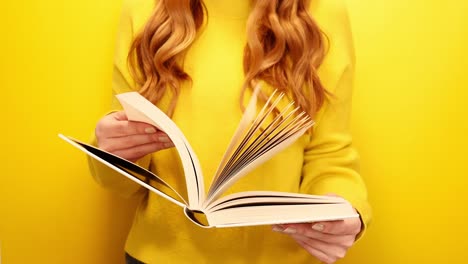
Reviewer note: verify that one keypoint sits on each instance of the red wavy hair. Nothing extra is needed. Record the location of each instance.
(284, 48)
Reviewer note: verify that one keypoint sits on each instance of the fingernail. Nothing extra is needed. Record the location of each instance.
(290, 230)
(317, 227)
(277, 229)
(150, 130)
(168, 145)
(164, 139)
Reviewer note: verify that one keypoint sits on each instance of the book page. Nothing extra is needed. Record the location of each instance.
(264, 139)
(139, 109)
(249, 124)
(246, 135)
(268, 214)
(272, 197)
(270, 207)
(247, 118)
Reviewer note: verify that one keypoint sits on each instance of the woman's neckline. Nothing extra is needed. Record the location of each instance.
(239, 9)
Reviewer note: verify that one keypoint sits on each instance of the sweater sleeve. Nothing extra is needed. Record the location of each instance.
(121, 82)
(331, 164)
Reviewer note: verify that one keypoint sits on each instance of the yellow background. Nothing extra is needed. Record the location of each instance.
(409, 122)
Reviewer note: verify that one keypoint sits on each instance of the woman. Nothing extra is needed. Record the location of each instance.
(195, 59)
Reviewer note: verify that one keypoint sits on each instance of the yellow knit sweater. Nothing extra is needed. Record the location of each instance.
(208, 113)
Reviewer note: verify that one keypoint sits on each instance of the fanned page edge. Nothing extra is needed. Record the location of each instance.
(248, 133)
(296, 133)
(140, 109)
(247, 117)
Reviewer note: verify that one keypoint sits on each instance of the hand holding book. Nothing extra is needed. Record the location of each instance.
(127, 139)
(259, 136)
(328, 241)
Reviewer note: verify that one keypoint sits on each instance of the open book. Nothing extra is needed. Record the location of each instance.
(260, 135)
